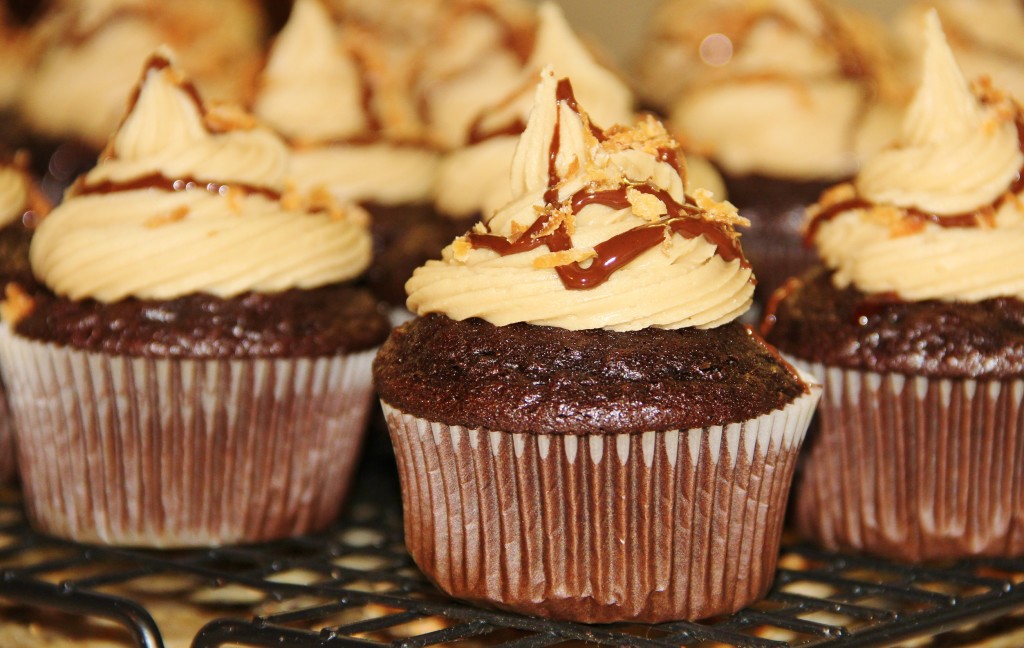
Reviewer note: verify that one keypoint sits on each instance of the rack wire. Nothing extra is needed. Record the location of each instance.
(356, 586)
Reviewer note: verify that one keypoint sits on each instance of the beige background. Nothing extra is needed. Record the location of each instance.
(619, 24)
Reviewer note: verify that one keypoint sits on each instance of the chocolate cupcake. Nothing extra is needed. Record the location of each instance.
(21, 207)
(916, 326)
(198, 371)
(785, 98)
(583, 430)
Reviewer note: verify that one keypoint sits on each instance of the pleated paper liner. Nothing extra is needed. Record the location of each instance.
(912, 468)
(600, 528)
(175, 453)
(8, 465)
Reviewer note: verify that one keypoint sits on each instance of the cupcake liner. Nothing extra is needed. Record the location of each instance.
(600, 528)
(174, 453)
(8, 465)
(914, 468)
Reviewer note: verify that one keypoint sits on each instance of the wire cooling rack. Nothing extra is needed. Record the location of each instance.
(356, 586)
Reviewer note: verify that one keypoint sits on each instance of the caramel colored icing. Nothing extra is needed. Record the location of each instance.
(186, 200)
(599, 234)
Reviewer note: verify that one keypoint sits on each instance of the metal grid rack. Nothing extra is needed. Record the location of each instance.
(356, 586)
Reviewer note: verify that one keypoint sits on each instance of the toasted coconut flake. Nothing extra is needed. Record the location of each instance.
(721, 212)
(16, 304)
(646, 206)
(224, 117)
(461, 247)
(165, 219)
(556, 259)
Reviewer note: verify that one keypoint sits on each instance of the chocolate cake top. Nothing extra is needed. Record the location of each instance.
(527, 378)
(813, 320)
(294, 323)
(600, 233)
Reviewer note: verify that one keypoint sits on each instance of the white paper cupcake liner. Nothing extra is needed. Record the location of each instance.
(174, 453)
(649, 527)
(913, 468)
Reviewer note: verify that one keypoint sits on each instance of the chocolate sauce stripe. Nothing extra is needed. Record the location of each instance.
(158, 181)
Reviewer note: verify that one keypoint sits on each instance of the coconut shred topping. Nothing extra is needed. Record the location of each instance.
(186, 200)
(600, 234)
(939, 215)
(345, 105)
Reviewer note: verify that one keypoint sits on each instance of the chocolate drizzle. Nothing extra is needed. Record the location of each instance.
(157, 181)
(683, 219)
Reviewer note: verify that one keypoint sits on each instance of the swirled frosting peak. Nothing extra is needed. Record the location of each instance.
(938, 216)
(342, 96)
(956, 153)
(599, 234)
(187, 200)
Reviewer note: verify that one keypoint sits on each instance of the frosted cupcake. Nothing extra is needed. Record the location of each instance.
(92, 52)
(473, 180)
(785, 96)
(915, 325)
(198, 371)
(21, 207)
(583, 343)
(343, 98)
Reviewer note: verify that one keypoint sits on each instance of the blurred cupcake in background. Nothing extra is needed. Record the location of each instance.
(472, 180)
(784, 96)
(342, 96)
(91, 55)
(21, 208)
(17, 54)
(916, 325)
(986, 36)
(197, 371)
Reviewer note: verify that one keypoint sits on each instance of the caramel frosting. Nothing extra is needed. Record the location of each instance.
(14, 196)
(343, 98)
(795, 89)
(472, 179)
(94, 51)
(188, 200)
(599, 234)
(939, 216)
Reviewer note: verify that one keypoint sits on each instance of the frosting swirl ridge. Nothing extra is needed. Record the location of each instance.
(600, 234)
(187, 200)
(939, 216)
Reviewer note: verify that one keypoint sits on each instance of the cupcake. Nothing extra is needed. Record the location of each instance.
(198, 370)
(915, 325)
(986, 36)
(92, 51)
(583, 431)
(21, 207)
(785, 97)
(342, 96)
(473, 179)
